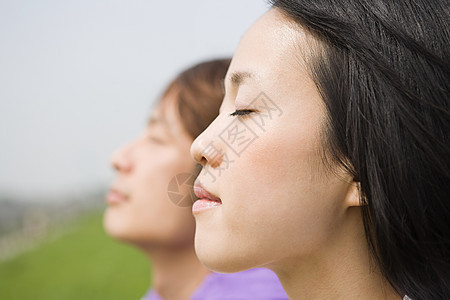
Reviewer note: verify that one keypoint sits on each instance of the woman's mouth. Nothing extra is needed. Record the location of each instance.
(206, 201)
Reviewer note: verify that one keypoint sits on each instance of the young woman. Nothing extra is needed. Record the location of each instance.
(336, 123)
(146, 210)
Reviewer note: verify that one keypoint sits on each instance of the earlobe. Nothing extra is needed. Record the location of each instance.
(353, 194)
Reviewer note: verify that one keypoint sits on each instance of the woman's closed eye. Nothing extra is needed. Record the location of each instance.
(241, 112)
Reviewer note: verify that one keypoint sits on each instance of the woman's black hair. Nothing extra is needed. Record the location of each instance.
(384, 78)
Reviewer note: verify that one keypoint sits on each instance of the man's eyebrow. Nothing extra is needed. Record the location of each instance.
(152, 121)
(155, 120)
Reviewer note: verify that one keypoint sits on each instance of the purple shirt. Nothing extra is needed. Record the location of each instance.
(261, 284)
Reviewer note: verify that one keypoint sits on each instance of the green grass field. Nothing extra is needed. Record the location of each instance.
(83, 264)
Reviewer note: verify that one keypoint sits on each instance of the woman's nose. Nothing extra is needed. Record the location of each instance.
(206, 149)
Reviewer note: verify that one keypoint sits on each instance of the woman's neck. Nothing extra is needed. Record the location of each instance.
(176, 273)
(341, 269)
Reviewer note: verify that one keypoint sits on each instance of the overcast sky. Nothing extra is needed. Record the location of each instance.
(78, 78)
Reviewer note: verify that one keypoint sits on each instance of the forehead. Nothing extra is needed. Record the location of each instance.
(273, 49)
(164, 114)
(166, 117)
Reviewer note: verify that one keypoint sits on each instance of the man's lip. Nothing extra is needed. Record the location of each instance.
(203, 193)
(115, 196)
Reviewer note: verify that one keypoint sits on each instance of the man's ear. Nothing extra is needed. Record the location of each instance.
(353, 196)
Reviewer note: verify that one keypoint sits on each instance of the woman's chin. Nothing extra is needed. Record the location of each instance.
(221, 260)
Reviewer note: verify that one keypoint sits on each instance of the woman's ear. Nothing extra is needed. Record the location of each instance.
(353, 195)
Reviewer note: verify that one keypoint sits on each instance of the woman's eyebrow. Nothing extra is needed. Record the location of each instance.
(238, 78)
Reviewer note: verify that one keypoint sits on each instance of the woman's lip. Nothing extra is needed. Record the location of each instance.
(206, 201)
(115, 197)
(202, 193)
(204, 204)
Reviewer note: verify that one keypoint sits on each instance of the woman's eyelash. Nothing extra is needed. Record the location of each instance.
(241, 112)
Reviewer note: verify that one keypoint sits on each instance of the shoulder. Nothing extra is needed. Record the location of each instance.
(151, 295)
(251, 284)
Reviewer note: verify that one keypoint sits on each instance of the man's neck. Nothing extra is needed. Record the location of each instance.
(176, 273)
